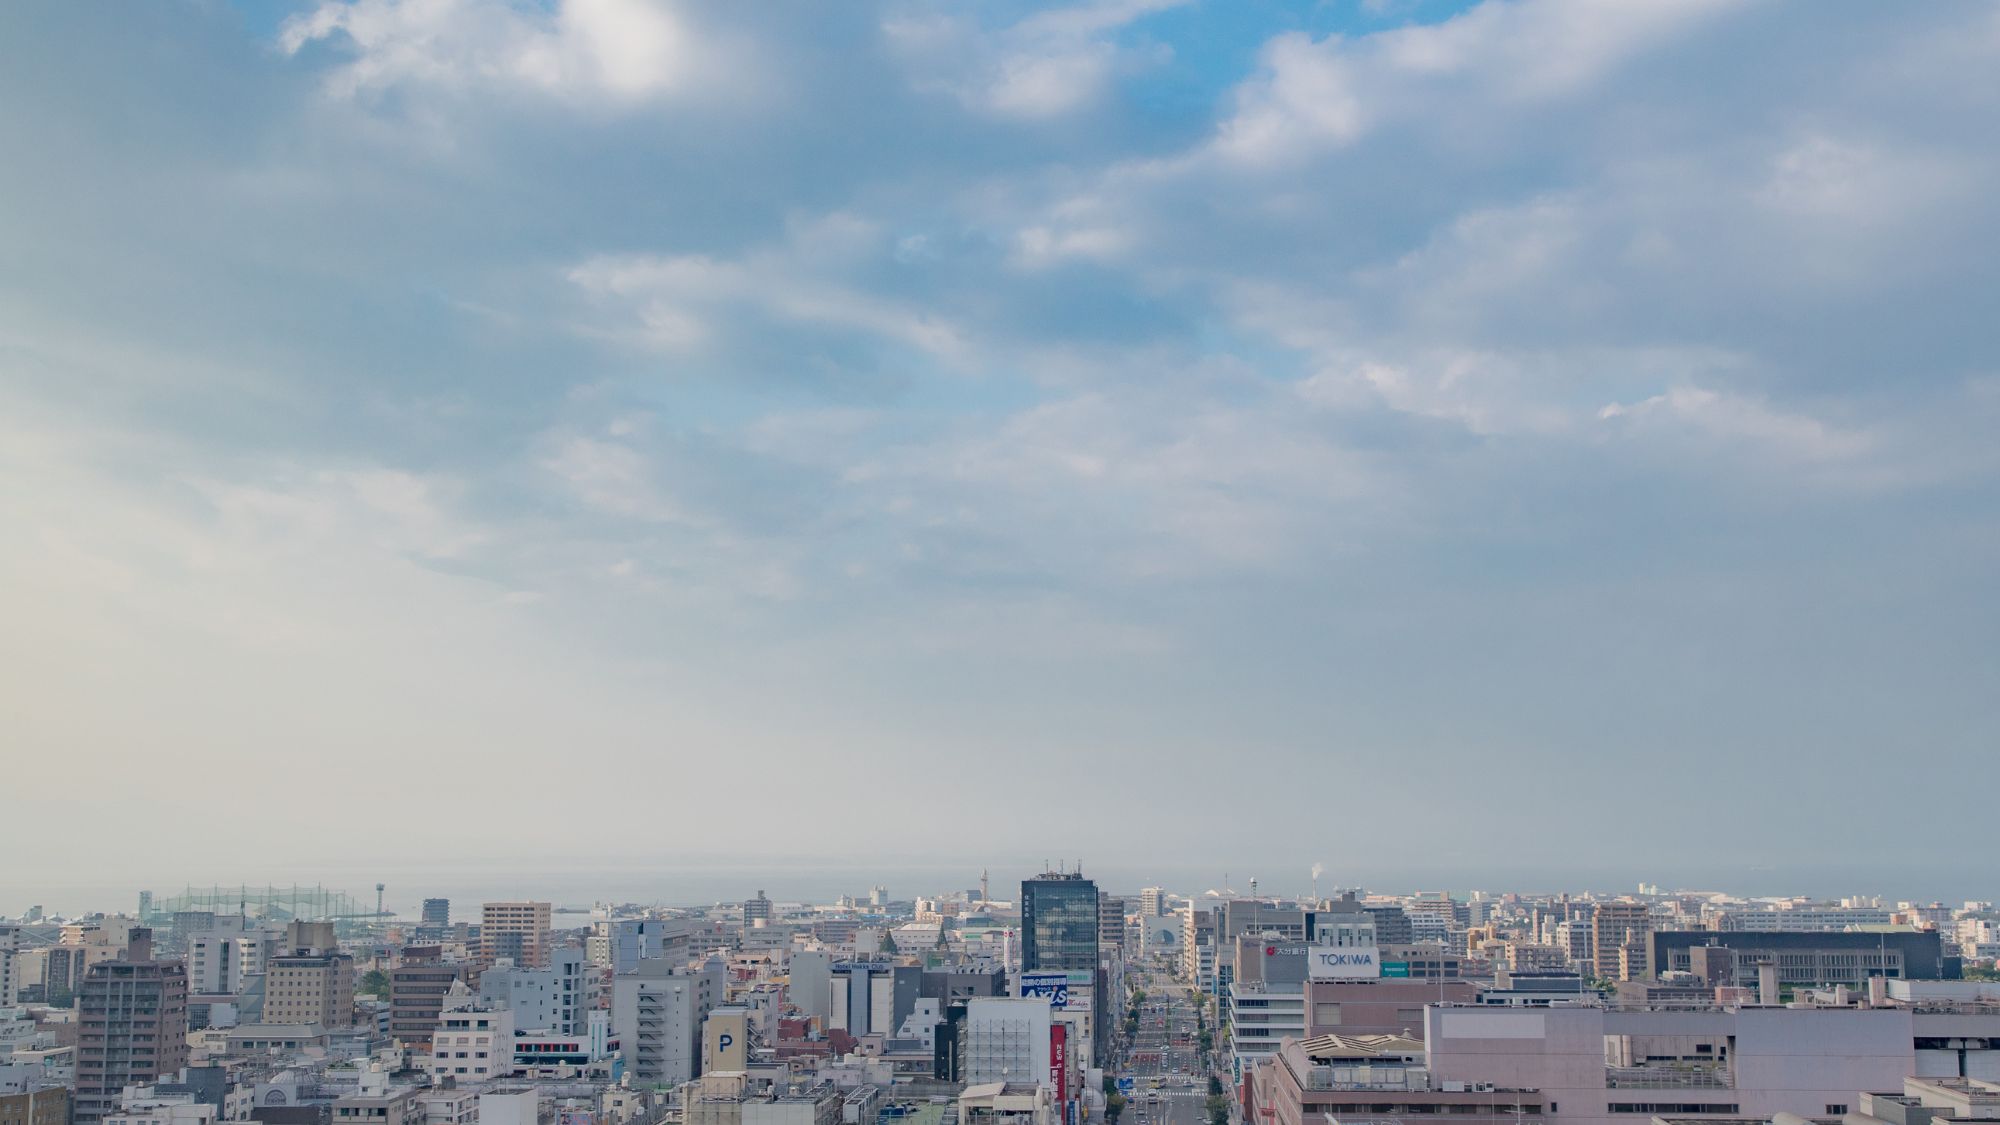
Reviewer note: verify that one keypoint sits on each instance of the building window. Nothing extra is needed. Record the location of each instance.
(1836, 1109)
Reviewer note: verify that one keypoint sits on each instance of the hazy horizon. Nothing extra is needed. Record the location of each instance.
(823, 881)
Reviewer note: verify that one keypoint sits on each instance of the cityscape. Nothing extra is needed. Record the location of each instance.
(1054, 1001)
(999, 562)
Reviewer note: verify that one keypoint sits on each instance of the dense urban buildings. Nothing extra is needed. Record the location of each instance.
(1067, 1004)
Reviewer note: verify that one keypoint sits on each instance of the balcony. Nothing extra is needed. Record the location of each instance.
(1684, 1076)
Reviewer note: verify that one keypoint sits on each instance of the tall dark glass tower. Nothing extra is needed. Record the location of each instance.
(1058, 922)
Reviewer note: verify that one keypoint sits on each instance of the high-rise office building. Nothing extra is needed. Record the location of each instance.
(756, 910)
(516, 931)
(131, 1026)
(1110, 921)
(1059, 922)
(437, 913)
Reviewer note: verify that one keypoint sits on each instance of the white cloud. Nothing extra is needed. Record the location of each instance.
(680, 302)
(1739, 420)
(1048, 65)
(612, 477)
(1328, 93)
(584, 50)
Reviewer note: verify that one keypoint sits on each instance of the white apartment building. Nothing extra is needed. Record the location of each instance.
(143, 1105)
(474, 1041)
(1822, 916)
(219, 959)
(455, 1106)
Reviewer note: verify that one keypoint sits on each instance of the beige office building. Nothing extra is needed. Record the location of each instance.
(514, 931)
(1620, 933)
(312, 982)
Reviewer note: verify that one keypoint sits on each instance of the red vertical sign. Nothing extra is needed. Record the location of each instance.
(1059, 1059)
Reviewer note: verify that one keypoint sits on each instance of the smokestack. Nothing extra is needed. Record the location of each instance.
(1767, 985)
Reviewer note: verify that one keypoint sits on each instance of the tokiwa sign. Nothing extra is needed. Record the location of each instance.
(1343, 962)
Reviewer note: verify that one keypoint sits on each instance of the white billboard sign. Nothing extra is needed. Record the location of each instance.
(1343, 962)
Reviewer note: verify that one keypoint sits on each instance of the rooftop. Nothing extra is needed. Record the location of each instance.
(1334, 1045)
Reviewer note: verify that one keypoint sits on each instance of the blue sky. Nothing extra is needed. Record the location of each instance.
(1478, 434)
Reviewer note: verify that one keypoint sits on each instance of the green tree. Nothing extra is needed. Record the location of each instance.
(888, 943)
(1218, 1110)
(374, 983)
(1214, 1086)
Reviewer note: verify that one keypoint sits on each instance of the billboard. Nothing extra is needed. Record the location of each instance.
(726, 1040)
(1052, 986)
(1059, 1059)
(1395, 968)
(1343, 962)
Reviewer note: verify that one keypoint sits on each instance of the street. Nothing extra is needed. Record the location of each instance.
(1164, 1058)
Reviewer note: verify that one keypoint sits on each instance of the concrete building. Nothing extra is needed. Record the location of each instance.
(1365, 1078)
(621, 943)
(1059, 922)
(1596, 1066)
(1618, 937)
(657, 1013)
(539, 1051)
(872, 997)
(10, 981)
(379, 1104)
(222, 958)
(1795, 917)
(152, 1106)
(436, 913)
(131, 1026)
(756, 910)
(417, 989)
(556, 999)
(35, 1107)
(1110, 922)
(1198, 948)
(733, 1099)
(1153, 902)
(516, 931)
(510, 1105)
(809, 985)
(474, 1041)
(1005, 1039)
(1804, 958)
(949, 985)
(312, 982)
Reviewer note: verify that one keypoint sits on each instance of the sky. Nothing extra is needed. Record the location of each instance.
(1535, 440)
